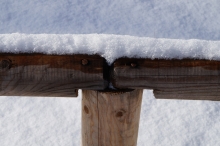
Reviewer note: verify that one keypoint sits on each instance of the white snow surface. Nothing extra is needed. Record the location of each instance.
(110, 47)
(183, 19)
(167, 24)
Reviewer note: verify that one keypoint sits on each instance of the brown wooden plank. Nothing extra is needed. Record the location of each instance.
(192, 93)
(165, 75)
(90, 118)
(153, 74)
(110, 118)
(50, 75)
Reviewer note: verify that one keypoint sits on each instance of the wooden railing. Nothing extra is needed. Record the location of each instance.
(109, 116)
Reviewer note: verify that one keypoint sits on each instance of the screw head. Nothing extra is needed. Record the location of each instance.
(85, 62)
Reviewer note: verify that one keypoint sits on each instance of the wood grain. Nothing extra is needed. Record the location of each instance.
(90, 118)
(192, 93)
(49, 75)
(169, 77)
(110, 119)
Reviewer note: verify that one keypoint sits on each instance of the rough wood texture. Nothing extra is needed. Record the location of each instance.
(192, 93)
(49, 75)
(110, 119)
(175, 77)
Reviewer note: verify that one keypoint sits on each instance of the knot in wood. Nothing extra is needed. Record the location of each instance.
(120, 113)
(86, 109)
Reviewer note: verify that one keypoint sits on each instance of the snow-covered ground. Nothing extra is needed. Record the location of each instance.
(26, 121)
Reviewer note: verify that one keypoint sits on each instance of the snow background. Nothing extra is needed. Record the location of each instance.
(57, 121)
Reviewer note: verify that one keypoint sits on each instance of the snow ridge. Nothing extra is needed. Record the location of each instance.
(110, 47)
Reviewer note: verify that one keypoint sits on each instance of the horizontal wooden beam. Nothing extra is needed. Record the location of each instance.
(191, 93)
(61, 75)
(50, 75)
(174, 79)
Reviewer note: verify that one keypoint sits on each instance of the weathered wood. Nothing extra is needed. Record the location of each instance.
(110, 119)
(169, 77)
(90, 118)
(192, 93)
(156, 73)
(49, 75)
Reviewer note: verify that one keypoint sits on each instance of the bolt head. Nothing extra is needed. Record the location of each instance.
(5, 64)
(133, 65)
(85, 62)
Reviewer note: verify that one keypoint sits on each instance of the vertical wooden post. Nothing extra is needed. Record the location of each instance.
(110, 119)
